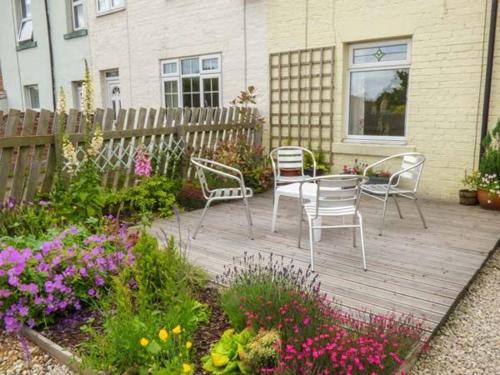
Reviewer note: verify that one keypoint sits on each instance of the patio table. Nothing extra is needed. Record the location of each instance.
(293, 191)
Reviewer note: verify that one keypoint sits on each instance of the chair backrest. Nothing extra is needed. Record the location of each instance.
(200, 166)
(339, 191)
(288, 157)
(411, 164)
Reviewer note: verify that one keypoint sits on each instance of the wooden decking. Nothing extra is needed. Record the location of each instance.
(410, 269)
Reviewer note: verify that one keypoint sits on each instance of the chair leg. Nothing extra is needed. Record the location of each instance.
(420, 213)
(300, 229)
(201, 219)
(383, 218)
(249, 218)
(353, 230)
(362, 234)
(311, 242)
(397, 206)
(276, 199)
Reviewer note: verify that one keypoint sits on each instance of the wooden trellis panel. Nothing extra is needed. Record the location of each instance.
(301, 99)
(29, 151)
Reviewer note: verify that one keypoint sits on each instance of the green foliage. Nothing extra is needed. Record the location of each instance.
(149, 315)
(82, 200)
(472, 180)
(29, 219)
(322, 165)
(152, 195)
(489, 165)
(228, 354)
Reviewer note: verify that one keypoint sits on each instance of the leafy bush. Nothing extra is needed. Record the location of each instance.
(152, 195)
(228, 354)
(150, 315)
(66, 272)
(262, 352)
(489, 165)
(27, 219)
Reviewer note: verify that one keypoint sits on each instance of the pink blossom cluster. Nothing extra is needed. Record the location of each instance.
(142, 163)
(64, 273)
(323, 340)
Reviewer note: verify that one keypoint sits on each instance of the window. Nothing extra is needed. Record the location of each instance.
(191, 82)
(77, 94)
(77, 14)
(108, 5)
(378, 89)
(25, 32)
(32, 96)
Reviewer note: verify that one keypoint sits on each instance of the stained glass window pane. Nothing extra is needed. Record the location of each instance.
(395, 52)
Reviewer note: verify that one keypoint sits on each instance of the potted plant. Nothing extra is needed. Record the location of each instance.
(488, 187)
(374, 177)
(322, 166)
(468, 196)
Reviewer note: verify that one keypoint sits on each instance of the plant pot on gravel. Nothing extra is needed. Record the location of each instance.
(467, 197)
(488, 200)
(289, 172)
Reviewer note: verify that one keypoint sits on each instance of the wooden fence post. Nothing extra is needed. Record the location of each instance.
(6, 153)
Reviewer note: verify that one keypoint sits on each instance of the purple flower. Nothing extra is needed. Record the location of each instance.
(83, 272)
(99, 281)
(91, 292)
(44, 203)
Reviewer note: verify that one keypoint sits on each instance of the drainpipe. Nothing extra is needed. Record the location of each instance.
(51, 56)
(489, 73)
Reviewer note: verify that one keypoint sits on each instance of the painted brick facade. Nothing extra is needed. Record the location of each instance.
(449, 39)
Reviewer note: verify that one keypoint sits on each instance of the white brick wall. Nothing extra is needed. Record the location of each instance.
(136, 39)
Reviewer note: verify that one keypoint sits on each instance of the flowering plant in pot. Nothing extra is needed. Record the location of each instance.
(468, 195)
(488, 186)
(374, 177)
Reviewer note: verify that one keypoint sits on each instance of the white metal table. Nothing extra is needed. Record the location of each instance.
(293, 191)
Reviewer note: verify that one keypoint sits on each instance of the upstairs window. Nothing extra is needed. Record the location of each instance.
(378, 90)
(109, 5)
(192, 81)
(25, 32)
(77, 14)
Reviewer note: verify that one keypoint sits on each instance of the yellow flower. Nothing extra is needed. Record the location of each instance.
(144, 341)
(219, 360)
(163, 334)
(189, 344)
(187, 368)
(177, 330)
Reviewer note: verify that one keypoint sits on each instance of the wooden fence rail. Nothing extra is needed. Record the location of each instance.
(29, 151)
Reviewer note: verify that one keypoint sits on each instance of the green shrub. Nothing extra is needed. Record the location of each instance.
(150, 315)
(29, 219)
(261, 352)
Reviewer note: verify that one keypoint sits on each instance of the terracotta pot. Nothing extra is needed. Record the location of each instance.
(467, 197)
(290, 172)
(488, 200)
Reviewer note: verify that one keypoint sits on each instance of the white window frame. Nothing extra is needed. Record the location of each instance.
(110, 8)
(384, 65)
(29, 101)
(215, 73)
(74, 4)
(23, 20)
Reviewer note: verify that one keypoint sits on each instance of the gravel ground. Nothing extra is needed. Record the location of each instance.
(12, 360)
(469, 342)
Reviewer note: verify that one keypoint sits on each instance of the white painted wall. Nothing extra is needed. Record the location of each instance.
(134, 41)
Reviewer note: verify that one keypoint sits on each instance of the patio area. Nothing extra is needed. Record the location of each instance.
(410, 269)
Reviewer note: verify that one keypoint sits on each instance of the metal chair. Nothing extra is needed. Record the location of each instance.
(402, 183)
(211, 195)
(336, 196)
(288, 158)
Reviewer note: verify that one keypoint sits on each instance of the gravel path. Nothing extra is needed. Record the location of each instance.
(12, 361)
(469, 342)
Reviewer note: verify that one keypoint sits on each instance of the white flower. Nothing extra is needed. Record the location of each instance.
(96, 143)
(70, 156)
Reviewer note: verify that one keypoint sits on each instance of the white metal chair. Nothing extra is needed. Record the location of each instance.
(336, 196)
(211, 195)
(288, 158)
(402, 183)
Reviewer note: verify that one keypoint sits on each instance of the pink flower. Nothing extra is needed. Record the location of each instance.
(142, 164)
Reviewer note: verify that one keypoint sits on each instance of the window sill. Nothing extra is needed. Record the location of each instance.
(26, 45)
(76, 34)
(110, 11)
(371, 149)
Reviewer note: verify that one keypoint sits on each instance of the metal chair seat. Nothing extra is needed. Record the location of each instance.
(310, 210)
(381, 189)
(230, 193)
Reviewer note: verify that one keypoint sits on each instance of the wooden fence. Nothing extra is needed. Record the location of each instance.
(29, 151)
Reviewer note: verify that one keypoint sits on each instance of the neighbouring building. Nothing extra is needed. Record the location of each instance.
(177, 52)
(4, 105)
(43, 45)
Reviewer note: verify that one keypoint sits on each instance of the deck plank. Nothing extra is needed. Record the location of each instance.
(411, 270)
